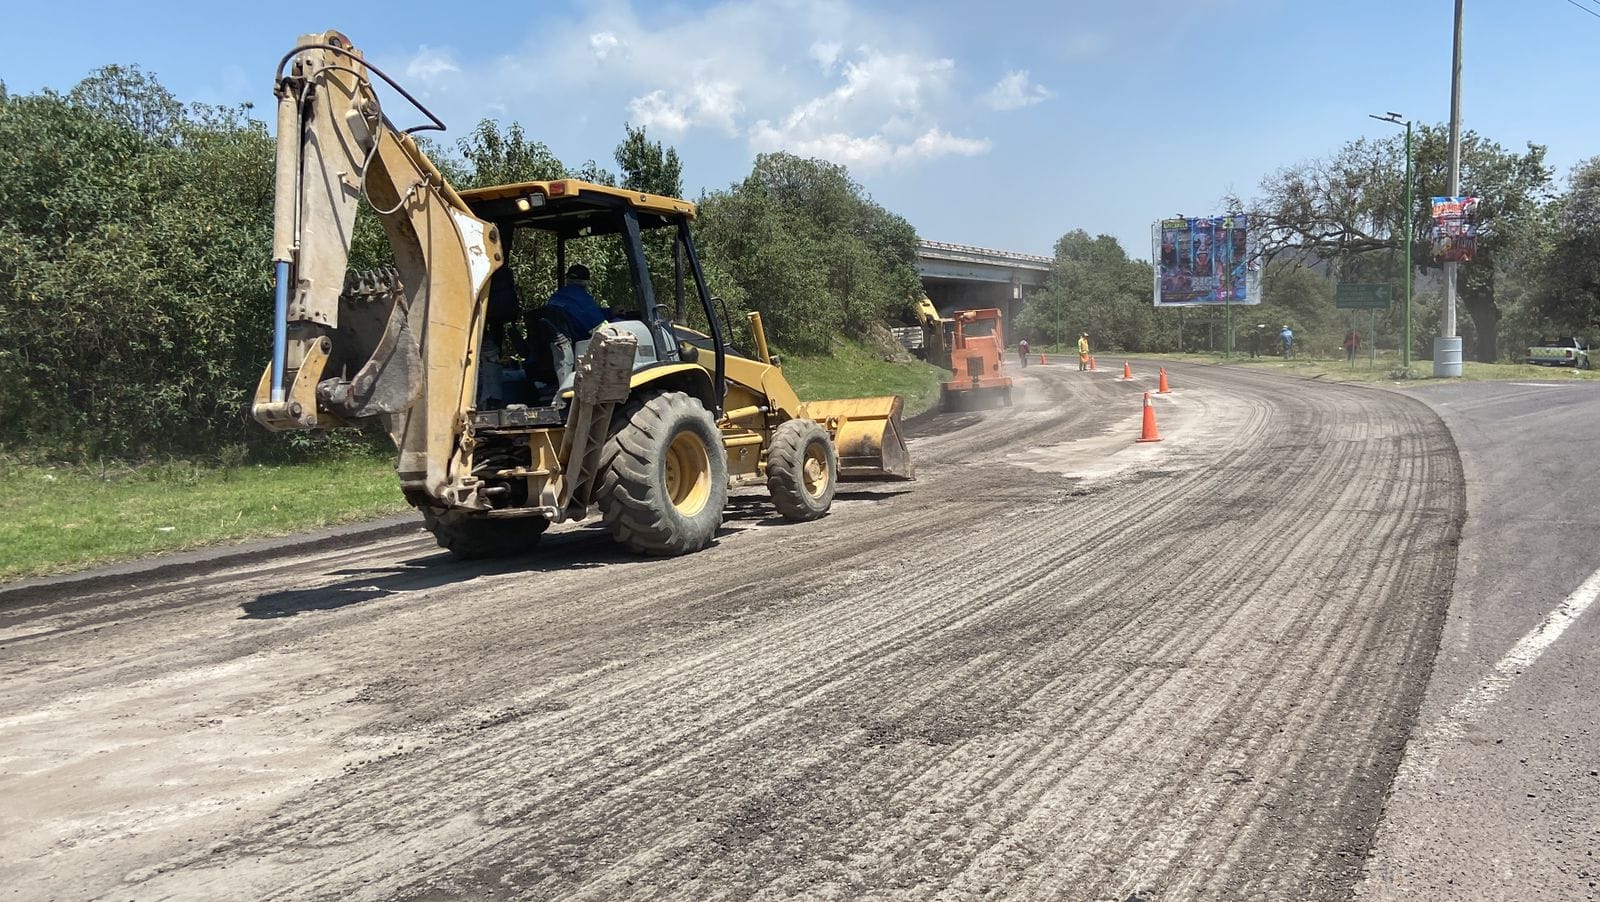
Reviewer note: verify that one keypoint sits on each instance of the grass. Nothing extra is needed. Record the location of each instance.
(1385, 369)
(58, 518)
(854, 371)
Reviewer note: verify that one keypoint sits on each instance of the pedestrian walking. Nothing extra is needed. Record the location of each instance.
(1083, 351)
(1287, 337)
(1352, 344)
(1022, 351)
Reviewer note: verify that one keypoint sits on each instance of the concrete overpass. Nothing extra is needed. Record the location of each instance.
(963, 277)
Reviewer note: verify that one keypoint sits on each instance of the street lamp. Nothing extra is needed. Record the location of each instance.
(1405, 347)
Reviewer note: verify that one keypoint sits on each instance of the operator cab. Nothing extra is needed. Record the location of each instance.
(641, 256)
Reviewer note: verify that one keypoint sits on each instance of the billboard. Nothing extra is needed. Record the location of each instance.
(1455, 229)
(1207, 260)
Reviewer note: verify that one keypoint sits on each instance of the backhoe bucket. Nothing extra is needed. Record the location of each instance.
(867, 435)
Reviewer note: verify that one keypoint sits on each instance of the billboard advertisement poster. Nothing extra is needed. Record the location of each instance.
(1455, 229)
(1205, 261)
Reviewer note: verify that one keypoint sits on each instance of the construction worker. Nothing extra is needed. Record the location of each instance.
(582, 311)
(1022, 351)
(1083, 351)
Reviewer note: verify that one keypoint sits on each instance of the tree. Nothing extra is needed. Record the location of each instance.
(126, 96)
(1093, 287)
(647, 167)
(810, 250)
(1563, 255)
(134, 292)
(1348, 210)
(496, 157)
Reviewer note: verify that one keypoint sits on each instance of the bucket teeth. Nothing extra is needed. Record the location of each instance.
(380, 284)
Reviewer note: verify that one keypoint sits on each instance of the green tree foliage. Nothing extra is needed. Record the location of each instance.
(810, 250)
(1349, 210)
(136, 283)
(131, 271)
(1562, 253)
(1094, 287)
(126, 96)
(647, 166)
(496, 156)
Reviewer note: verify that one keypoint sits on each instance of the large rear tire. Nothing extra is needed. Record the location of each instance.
(664, 475)
(802, 470)
(471, 538)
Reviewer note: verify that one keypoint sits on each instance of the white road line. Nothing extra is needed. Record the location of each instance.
(1521, 656)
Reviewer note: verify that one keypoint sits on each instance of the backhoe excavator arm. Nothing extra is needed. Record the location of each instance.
(399, 345)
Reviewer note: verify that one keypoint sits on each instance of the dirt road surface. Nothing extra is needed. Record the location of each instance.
(1059, 665)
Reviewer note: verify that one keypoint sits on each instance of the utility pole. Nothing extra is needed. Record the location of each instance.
(1411, 213)
(1447, 347)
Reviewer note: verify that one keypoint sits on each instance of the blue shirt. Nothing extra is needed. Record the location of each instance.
(1287, 336)
(575, 301)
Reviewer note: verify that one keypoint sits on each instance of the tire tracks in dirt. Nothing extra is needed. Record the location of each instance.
(1057, 666)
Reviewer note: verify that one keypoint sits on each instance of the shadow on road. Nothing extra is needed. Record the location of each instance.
(577, 549)
(574, 550)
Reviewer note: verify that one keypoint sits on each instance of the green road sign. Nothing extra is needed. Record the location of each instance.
(1356, 296)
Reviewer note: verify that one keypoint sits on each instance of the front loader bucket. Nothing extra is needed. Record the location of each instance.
(867, 435)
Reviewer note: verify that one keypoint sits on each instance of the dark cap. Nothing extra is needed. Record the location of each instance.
(577, 272)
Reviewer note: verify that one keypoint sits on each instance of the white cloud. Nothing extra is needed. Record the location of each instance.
(874, 151)
(655, 110)
(714, 103)
(428, 65)
(771, 71)
(1015, 91)
(603, 43)
(883, 112)
(826, 53)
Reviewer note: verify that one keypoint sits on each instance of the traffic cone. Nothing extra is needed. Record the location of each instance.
(1091, 364)
(1127, 371)
(1043, 360)
(1162, 390)
(1149, 434)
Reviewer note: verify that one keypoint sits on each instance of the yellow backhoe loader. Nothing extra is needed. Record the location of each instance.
(644, 419)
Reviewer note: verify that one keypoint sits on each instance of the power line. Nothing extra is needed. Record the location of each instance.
(1584, 8)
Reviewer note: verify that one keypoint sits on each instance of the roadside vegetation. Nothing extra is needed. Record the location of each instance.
(855, 370)
(1385, 369)
(62, 517)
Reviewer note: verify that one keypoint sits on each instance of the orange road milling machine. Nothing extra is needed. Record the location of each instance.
(977, 372)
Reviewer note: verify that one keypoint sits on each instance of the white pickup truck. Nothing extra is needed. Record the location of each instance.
(1563, 350)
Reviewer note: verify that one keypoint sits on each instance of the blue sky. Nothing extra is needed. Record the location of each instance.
(1004, 123)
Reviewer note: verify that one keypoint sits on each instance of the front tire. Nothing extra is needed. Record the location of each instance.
(802, 470)
(664, 475)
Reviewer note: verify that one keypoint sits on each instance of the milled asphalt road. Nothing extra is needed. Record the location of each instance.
(1060, 665)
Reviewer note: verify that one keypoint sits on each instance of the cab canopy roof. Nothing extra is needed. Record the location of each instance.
(572, 207)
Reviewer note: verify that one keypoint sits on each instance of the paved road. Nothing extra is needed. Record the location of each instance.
(1060, 665)
(1500, 794)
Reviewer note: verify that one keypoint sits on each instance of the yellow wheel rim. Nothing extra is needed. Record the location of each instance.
(688, 474)
(816, 470)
